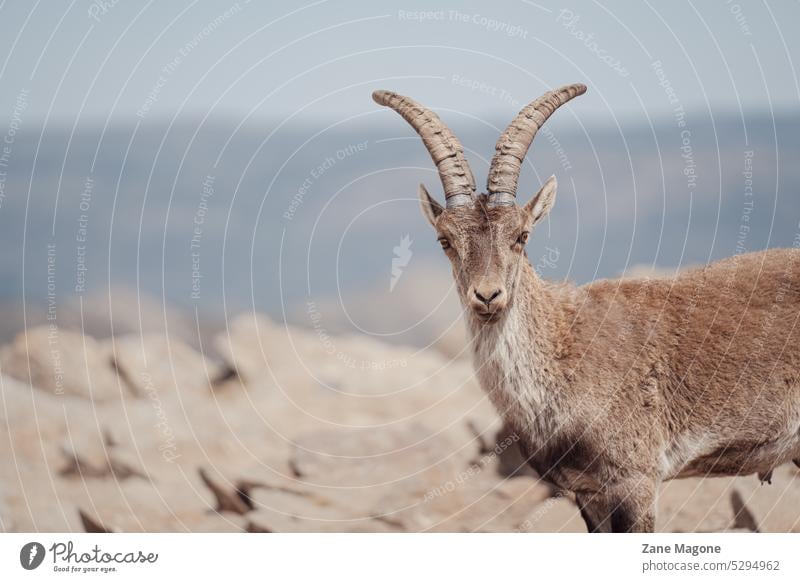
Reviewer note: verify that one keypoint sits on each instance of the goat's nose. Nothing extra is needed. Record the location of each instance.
(487, 297)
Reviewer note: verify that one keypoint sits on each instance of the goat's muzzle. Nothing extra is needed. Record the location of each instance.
(487, 299)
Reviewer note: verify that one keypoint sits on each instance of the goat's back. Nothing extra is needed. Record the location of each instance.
(712, 357)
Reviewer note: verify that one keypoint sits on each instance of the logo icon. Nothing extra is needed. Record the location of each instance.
(402, 256)
(31, 555)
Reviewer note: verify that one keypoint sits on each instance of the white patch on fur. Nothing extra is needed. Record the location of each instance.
(512, 375)
(681, 451)
(689, 447)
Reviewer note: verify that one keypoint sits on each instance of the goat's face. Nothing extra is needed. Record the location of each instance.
(485, 243)
(484, 236)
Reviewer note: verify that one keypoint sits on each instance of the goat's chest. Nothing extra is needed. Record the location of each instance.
(515, 380)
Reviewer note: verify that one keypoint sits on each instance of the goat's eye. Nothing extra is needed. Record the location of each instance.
(445, 243)
(523, 238)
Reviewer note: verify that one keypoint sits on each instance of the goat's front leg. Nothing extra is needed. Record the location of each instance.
(626, 506)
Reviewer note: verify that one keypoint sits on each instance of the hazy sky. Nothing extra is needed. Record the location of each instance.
(266, 70)
(90, 60)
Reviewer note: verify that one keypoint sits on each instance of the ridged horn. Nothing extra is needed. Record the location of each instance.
(513, 144)
(444, 147)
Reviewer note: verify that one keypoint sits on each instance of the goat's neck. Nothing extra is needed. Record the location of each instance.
(515, 358)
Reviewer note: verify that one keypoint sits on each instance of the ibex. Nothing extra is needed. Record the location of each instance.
(615, 386)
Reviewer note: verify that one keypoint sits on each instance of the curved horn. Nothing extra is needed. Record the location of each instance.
(514, 142)
(444, 147)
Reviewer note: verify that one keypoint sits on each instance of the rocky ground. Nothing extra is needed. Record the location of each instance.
(288, 430)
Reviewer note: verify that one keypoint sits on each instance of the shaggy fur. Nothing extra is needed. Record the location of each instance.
(618, 385)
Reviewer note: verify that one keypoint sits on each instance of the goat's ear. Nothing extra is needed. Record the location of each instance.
(430, 208)
(541, 204)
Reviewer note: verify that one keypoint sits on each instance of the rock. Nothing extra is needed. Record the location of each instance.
(361, 466)
(91, 454)
(363, 457)
(137, 505)
(284, 511)
(7, 522)
(250, 344)
(743, 518)
(157, 364)
(62, 362)
(42, 517)
(216, 523)
(34, 426)
(227, 497)
(91, 525)
(775, 507)
(691, 505)
(320, 440)
(473, 500)
(556, 514)
(515, 499)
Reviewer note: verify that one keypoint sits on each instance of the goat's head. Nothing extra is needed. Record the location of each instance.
(483, 235)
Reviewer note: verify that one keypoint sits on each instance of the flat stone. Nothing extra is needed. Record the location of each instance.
(62, 362)
(216, 523)
(250, 345)
(471, 501)
(556, 514)
(364, 457)
(775, 507)
(695, 505)
(157, 364)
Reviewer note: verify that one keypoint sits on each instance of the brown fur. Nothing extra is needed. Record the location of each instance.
(619, 385)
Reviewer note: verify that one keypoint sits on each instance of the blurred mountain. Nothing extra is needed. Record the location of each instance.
(217, 217)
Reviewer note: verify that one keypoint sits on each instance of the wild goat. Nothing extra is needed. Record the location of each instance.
(618, 385)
